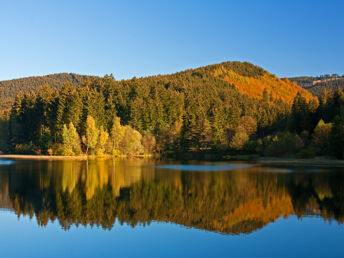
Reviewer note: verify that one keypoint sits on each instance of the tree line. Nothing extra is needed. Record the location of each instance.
(198, 110)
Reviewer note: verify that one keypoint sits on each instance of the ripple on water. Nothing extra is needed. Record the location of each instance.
(6, 162)
(219, 167)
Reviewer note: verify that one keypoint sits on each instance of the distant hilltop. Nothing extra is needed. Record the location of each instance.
(316, 85)
(10, 88)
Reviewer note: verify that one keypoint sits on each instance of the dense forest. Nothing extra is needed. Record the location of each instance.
(10, 88)
(228, 108)
(317, 85)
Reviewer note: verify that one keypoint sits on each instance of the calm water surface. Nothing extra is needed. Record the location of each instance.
(143, 208)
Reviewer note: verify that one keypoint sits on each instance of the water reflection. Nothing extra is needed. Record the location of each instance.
(134, 192)
(6, 162)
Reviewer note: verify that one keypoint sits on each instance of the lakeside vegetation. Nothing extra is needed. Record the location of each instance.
(231, 108)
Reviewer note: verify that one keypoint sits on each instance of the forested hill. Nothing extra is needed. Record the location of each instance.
(10, 88)
(232, 107)
(316, 85)
(250, 80)
(208, 108)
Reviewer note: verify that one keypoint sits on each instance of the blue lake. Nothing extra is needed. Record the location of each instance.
(143, 208)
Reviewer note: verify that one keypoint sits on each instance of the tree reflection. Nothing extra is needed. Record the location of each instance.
(134, 192)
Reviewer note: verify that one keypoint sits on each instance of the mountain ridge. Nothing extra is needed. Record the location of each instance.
(318, 84)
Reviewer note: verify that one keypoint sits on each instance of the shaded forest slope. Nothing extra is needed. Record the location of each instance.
(10, 88)
(317, 85)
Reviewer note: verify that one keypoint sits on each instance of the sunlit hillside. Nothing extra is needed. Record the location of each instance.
(249, 79)
(257, 86)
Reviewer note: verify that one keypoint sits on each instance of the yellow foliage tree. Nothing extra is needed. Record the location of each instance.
(90, 139)
(117, 133)
(70, 140)
(103, 137)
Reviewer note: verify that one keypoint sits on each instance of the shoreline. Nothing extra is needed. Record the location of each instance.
(320, 162)
(77, 157)
(43, 157)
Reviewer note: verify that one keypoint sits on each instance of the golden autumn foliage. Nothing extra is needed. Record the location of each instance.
(254, 86)
(256, 210)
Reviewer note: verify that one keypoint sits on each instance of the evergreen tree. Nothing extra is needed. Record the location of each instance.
(337, 137)
(302, 115)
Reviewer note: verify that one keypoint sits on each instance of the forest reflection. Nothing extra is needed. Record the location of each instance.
(134, 192)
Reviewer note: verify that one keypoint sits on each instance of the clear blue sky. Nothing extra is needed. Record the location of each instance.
(138, 38)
